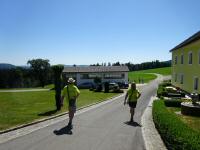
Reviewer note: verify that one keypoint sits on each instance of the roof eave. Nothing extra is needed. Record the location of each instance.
(188, 41)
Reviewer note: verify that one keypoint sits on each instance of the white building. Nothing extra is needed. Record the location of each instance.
(106, 73)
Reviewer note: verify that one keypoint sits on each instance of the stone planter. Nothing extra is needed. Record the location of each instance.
(188, 108)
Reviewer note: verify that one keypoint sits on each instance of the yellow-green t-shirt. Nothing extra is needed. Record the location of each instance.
(132, 95)
(73, 91)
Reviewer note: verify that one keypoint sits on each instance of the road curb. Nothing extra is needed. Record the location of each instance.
(55, 116)
(150, 134)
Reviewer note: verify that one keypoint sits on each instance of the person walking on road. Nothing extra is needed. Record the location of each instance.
(71, 93)
(132, 94)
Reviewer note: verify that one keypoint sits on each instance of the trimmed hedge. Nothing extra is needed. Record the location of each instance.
(161, 89)
(176, 134)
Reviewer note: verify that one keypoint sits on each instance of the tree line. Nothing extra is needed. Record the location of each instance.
(38, 74)
(137, 67)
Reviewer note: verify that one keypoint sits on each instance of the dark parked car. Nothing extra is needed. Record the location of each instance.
(86, 85)
(123, 85)
(113, 85)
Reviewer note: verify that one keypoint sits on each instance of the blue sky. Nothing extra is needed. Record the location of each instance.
(91, 31)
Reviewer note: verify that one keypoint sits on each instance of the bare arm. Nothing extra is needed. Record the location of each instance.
(139, 94)
(62, 99)
(77, 95)
(125, 98)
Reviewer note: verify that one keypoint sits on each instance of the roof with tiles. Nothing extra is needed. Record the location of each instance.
(94, 69)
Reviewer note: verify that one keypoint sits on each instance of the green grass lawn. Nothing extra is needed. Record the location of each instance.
(49, 86)
(138, 75)
(193, 122)
(162, 71)
(23, 107)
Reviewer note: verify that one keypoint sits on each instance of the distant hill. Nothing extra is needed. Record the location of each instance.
(6, 66)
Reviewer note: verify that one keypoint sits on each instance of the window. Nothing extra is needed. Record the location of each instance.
(182, 78)
(196, 83)
(190, 58)
(90, 76)
(182, 59)
(175, 77)
(199, 57)
(176, 60)
(84, 76)
(69, 75)
(114, 76)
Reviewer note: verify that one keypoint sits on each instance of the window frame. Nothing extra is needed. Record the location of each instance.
(196, 86)
(198, 57)
(175, 77)
(182, 59)
(181, 78)
(190, 61)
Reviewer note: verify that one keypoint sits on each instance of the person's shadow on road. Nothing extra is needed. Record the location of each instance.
(134, 124)
(62, 131)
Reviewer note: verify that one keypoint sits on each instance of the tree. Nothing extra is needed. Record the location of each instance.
(41, 68)
(57, 70)
(97, 81)
(116, 64)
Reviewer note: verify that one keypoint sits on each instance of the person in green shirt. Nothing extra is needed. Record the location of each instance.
(132, 94)
(71, 93)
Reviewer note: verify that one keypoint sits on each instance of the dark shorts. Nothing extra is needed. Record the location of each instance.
(132, 104)
(72, 105)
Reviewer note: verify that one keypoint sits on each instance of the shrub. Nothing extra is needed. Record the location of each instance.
(117, 91)
(106, 87)
(161, 91)
(173, 102)
(98, 88)
(164, 84)
(176, 134)
(168, 92)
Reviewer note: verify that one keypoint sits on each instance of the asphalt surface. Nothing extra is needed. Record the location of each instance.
(103, 128)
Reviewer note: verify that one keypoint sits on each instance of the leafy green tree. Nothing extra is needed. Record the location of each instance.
(41, 68)
(57, 70)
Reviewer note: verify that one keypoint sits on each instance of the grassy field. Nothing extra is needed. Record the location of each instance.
(49, 86)
(24, 107)
(140, 77)
(193, 122)
(143, 75)
(162, 71)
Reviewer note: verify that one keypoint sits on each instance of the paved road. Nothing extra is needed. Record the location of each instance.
(103, 128)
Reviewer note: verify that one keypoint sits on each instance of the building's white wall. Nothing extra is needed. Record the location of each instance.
(84, 81)
(80, 81)
(78, 78)
(126, 77)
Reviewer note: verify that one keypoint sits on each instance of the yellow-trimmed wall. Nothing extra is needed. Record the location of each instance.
(188, 70)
